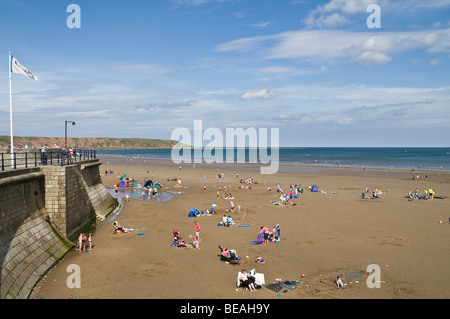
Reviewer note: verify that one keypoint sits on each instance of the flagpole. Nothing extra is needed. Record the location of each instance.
(10, 111)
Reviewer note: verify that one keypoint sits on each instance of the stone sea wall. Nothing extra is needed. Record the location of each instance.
(42, 212)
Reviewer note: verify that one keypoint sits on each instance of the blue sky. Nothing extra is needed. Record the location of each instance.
(313, 69)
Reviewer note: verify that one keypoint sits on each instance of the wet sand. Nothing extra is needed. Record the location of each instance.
(325, 234)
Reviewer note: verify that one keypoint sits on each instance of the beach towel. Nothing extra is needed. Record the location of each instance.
(259, 240)
(244, 225)
(274, 287)
(259, 279)
(289, 284)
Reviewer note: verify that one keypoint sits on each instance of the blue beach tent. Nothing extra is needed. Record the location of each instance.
(194, 212)
(314, 189)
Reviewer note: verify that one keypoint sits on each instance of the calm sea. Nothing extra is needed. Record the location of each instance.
(434, 159)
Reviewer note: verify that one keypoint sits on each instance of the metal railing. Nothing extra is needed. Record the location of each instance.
(38, 158)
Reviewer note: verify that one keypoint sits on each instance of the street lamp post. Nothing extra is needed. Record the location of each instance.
(65, 140)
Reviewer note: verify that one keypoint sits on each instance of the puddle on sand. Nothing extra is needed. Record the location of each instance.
(141, 194)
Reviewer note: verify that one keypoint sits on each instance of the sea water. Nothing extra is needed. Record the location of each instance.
(401, 158)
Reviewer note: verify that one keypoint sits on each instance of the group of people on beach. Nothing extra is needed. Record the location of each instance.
(81, 244)
(179, 242)
(270, 236)
(227, 221)
(428, 194)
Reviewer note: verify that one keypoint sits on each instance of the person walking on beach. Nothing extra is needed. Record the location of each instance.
(197, 231)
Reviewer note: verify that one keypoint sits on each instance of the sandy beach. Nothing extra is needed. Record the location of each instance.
(324, 234)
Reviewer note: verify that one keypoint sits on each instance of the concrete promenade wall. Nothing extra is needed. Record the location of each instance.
(42, 212)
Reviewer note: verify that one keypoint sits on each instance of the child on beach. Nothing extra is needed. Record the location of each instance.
(197, 231)
(195, 243)
(90, 241)
(230, 221)
(339, 283)
(276, 232)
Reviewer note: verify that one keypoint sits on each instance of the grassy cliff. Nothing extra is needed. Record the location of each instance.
(88, 142)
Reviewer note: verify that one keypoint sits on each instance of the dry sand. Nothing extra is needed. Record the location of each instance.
(322, 236)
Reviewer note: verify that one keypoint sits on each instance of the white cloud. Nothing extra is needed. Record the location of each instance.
(347, 6)
(143, 69)
(274, 69)
(243, 44)
(346, 121)
(336, 13)
(261, 24)
(434, 61)
(331, 45)
(260, 94)
(373, 57)
(326, 21)
(332, 14)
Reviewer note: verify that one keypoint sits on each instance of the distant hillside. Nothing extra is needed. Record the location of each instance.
(88, 142)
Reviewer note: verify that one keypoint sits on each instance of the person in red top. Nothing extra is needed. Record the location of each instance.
(197, 231)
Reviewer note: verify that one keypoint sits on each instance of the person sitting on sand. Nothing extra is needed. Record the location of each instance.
(195, 243)
(180, 243)
(228, 254)
(260, 260)
(117, 227)
(176, 236)
(223, 251)
(339, 283)
(229, 221)
(247, 280)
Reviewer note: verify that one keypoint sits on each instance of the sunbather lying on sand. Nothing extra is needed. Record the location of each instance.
(120, 229)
